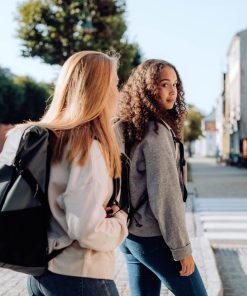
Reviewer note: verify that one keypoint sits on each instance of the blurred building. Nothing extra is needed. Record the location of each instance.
(235, 99)
(206, 145)
(219, 125)
(222, 123)
(226, 119)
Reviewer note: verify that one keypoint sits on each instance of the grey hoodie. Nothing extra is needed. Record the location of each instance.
(154, 167)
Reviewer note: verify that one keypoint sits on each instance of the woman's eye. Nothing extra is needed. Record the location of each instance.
(165, 85)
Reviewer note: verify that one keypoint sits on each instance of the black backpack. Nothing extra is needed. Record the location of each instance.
(24, 208)
(125, 198)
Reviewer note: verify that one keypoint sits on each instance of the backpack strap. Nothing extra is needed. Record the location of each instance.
(33, 184)
(143, 197)
(116, 190)
(182, 161)
(182, 164)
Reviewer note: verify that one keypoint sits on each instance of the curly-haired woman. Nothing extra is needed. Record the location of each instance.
(152, 112)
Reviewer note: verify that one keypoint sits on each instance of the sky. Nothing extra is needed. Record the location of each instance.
(194, 35)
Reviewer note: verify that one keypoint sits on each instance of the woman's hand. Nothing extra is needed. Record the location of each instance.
(188, 266)
(110, 211)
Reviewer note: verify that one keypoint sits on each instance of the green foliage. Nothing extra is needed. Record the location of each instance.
(21, 98)
(130, 58)
(54, 29)
(11, 97)
(192, 129)
(35, 97)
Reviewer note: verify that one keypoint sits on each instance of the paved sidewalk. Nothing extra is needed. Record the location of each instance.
(232, 264)
(14, 284)
(221, 215)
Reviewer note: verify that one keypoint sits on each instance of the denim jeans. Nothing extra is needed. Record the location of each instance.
(52, 284)
(150, 263)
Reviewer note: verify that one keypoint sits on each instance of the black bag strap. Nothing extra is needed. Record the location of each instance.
(143, 197)
(125, 190)
(182, 164)
(32, 182)
(116, 190)
(182, 161)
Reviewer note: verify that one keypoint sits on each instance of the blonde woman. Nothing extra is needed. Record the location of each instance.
(85, 160)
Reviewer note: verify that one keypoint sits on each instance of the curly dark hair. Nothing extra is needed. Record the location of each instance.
(140, 101)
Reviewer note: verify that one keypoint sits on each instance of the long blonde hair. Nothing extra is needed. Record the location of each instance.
(79, 111)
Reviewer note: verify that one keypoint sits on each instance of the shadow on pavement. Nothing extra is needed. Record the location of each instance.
(232, 267)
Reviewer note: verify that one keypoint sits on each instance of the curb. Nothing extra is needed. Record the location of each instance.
(202, 250)
(206, 264)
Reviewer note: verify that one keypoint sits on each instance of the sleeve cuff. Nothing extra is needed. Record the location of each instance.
(181, 253)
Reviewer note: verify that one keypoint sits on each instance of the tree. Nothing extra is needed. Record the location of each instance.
(21, 98)
(54, 29)
(192, 128)
(35, 98)
(11, 97)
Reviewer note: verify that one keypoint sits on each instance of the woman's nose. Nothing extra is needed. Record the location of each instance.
(173, 89)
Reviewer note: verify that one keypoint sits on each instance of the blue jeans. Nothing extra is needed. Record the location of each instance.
(150, 263)
(52, 284)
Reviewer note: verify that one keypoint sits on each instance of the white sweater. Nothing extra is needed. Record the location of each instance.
(78, 196)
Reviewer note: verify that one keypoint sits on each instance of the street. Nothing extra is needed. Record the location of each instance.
(218, 180)
(221, 215)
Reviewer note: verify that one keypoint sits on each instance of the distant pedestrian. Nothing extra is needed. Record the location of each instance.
(85, 161)
(152, 112)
